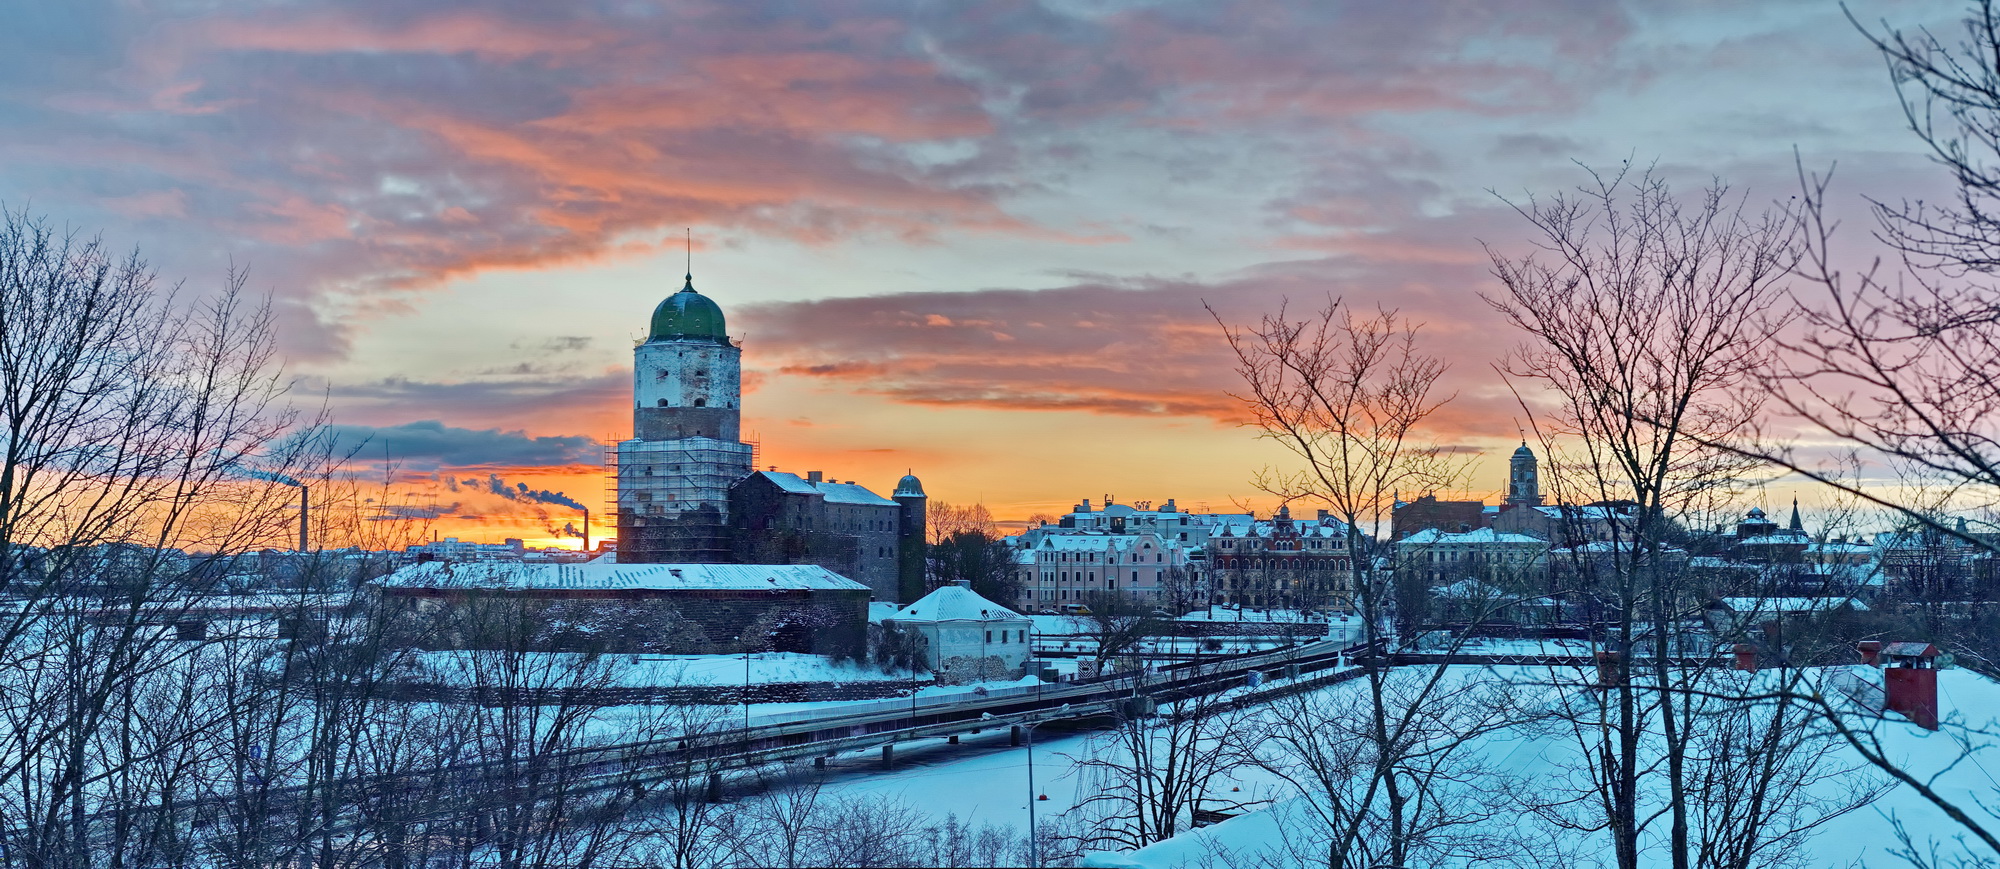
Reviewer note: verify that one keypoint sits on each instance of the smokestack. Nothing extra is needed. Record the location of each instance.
(586, 530)
(305, 512)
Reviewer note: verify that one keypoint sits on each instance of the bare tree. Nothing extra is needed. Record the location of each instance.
(1349, 396)
(1158, 766)
(966, 545)
(1459, 808)
(1116, 626)
(1650, 320)
(139, 435)
(1894, 360)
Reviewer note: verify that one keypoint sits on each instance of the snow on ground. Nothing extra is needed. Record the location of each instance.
(983, 780)
(1865, 837)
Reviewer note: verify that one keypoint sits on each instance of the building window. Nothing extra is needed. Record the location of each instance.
(663, 402)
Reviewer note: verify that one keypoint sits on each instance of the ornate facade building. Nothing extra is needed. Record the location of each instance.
(1282, 563)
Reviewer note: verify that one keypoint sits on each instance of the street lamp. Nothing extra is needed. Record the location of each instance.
(745, 643)
(1034, 834)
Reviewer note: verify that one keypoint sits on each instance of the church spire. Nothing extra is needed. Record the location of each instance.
(1796, 524)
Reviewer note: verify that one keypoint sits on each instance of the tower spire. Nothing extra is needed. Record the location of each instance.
(689, 286)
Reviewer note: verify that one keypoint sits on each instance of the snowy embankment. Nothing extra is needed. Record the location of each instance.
(1531, 758)
(1959, 762)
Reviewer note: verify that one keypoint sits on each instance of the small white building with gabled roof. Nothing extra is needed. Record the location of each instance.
(970, 638)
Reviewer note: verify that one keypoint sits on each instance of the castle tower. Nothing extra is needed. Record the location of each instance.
(1524, 485)
(912, 537)
(675, 472)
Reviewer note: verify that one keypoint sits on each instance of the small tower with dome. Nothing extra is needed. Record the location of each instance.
(912, 534)
(1524, 485)
(686, 449)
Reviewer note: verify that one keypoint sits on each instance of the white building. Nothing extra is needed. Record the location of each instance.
(1483, 554)
(970, 638)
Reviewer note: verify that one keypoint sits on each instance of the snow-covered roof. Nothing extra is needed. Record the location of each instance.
(1779, 539)
(849, 493)
(792, 483)
(1480, 536)
(600, 576)
(835, 493)
(954, 603)
(1776, 605)
(1266, 528)
(1094, 542)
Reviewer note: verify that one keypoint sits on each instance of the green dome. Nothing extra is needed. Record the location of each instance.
(688, 316)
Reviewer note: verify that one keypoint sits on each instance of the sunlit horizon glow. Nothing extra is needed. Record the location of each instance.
(980, 245)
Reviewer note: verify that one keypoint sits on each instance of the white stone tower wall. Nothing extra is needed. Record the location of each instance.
(687, 374)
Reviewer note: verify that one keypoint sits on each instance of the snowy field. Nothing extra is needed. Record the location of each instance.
(1866, 837)
(985, 781)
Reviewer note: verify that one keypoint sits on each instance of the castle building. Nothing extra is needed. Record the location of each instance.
(686, 448)
(782, 518)
(687, 493)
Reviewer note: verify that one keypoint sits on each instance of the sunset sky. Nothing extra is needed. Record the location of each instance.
(973, 239)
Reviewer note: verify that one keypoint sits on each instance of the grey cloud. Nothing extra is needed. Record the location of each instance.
(431, 444)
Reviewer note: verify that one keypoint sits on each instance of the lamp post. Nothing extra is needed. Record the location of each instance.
(1034, 835)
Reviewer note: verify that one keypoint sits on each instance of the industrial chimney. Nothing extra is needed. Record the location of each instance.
(586, 530)
(305, 511)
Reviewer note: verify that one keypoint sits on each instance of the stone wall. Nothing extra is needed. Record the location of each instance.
(691, 622)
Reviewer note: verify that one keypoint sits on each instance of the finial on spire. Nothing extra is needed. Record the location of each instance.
(688, 287)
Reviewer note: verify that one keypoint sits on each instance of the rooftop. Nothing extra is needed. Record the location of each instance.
(955, 603)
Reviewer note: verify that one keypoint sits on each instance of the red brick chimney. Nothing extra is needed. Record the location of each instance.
(1910, 682)
(1746, 657)
(1871, 652)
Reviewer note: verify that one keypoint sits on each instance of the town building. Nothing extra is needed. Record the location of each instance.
(967, 637)
(1568, 524)
(1070, 569)
(1281, 563)
(1427, 513)
(1485, 554)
